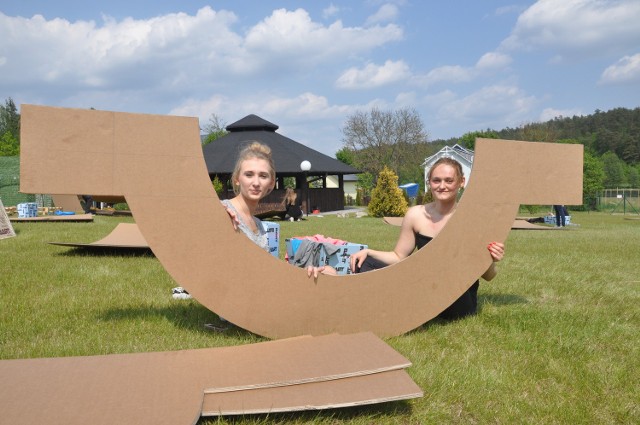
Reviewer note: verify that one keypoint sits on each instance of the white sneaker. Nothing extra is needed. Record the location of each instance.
(179, 293)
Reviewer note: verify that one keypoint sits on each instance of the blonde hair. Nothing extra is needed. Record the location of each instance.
(447, 161)
(290, 197)
(253, 149)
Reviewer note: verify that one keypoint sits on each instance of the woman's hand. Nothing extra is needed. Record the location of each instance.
(357, 258)
(315, 271)
(496, 249)
(235, 221)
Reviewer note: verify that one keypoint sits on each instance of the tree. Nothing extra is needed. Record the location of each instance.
(593, 178)
(468, 140)
(613, 170)
(387, 199)
(383, 138)
(214, 129)
(9, 129)
(346, 156)
(9, 145)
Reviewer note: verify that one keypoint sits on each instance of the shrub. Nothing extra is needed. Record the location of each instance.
(387, 198)
(217, 185)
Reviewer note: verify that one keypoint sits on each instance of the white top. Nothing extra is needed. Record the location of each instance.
(259, 238)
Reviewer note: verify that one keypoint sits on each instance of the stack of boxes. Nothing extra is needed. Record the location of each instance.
(27, 209)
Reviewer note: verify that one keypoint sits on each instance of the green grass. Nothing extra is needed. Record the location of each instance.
(556, 340)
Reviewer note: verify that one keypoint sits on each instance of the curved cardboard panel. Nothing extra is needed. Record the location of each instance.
(156, 163)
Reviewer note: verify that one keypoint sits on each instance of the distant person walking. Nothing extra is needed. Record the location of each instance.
(559, 211)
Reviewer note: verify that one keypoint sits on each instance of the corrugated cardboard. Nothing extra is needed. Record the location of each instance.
(42, 218)
(347, 392)
(168, 387)
(124, 235)
(156, 163)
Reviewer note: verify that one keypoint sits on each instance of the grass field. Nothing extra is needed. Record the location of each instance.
(557, 340)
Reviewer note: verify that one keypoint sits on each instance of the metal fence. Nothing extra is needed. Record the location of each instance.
(624, 201)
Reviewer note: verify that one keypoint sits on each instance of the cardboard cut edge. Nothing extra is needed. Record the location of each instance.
(346, 392)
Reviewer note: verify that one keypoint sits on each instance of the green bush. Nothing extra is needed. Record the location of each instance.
(217, 185)
(387, 199)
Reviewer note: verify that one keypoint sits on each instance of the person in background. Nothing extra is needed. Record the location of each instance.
(421, 224)
(560, 213)
(292, 205)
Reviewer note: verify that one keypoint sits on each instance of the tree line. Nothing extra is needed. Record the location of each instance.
(397, 139)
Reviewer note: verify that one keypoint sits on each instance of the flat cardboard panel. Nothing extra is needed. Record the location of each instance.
(67, 202)
(168, 387)
(271, 298)
(48, 218)
(346, 392)
(124, 235)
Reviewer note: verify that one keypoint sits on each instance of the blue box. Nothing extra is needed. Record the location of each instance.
(273, 237)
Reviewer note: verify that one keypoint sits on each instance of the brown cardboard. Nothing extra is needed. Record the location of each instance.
(67, 202)
(124, 235)
(168, 387)
(156, 163)
(67, 218)
(357, 391)
(6, 229)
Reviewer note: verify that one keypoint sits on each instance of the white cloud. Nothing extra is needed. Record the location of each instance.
(373, 75)
(175, 56)
(330, 11)
(488, 63)
(386, 13)
(493, 60)
(571, 27)
(625, 71)
(493, 106)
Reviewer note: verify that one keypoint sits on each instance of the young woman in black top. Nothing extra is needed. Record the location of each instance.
(422, 223)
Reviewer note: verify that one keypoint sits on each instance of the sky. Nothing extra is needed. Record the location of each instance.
(306, 66)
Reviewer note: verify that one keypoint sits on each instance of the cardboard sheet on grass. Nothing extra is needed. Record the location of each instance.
(53, 218)
(517, 224)
(124, 235)
(169, 387)
(6, 229)
(156, 163)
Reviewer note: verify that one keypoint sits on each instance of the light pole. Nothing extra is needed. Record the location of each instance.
(306, 166)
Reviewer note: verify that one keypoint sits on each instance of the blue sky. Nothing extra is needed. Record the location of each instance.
(463, 65)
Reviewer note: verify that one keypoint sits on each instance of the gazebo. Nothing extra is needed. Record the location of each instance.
(288, 155)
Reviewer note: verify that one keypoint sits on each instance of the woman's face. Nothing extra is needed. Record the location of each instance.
(444, 182)
(254, 179)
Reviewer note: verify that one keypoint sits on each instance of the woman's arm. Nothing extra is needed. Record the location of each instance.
(404, 246)
(496, 249)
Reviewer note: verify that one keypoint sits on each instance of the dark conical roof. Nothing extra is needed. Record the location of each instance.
(252, 123)
(221, 154)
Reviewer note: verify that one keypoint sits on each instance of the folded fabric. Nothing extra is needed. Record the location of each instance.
(309, 251)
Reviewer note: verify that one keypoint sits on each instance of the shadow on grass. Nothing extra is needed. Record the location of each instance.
(100, 251)
(388, 411)
(500, 299)
(187, 315)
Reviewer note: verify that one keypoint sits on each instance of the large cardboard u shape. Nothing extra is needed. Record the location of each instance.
(156, 163)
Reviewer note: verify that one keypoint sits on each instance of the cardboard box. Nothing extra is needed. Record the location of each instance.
(273, 237)
(339, 260)
(28, 209)
(551, 219)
